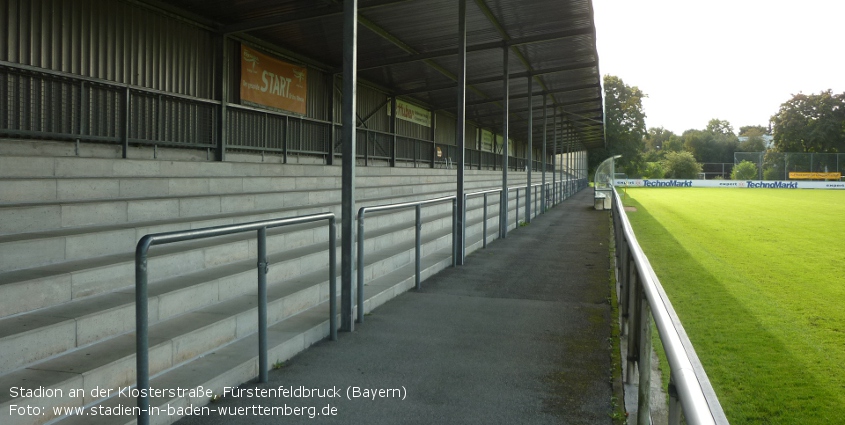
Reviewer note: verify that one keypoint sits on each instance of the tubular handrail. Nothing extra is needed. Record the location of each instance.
(418, 239)
(418, 225)
(484, 210)
(141, 307)
(692, 388)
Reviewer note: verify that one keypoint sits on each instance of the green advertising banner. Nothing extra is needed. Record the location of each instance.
(407, 112)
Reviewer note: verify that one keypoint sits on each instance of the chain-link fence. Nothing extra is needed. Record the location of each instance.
(778, 165)
(716, 170)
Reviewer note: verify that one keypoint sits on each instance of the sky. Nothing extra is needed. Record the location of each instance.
(735, 60)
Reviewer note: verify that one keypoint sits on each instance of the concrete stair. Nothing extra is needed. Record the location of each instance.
(68, 229)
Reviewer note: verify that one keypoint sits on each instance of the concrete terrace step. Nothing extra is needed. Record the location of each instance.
(62, 282)
(35, 190)
(21, 167)
(239, 360)
(181, 338)
(45, 216)
(42, 333)
(40, 166)
(71, 243)
(68, 229)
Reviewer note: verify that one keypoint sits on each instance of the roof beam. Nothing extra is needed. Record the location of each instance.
(586, 102)
(447, 86)
(496, 24)
(478, 47)
(541, 93)
(274, 21)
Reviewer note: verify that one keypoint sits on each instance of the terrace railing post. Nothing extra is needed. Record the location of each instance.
(463, 231)
(418, 238)
(366, 148)
(263, 267)
(631, 282)
(333, 279)
(675, 407)
(127, 111)
(84, 108)
(644, 363)
(286, 140)
(454, 231)
(142, 355)
(360, 271)
(633, 328)
(484, 224)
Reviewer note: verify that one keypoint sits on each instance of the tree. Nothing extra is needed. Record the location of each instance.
(753, 135)
(656, 141)
(722, 127)
(752, 130)
(752, 144)
(811, 123)
(745, 170)
(674, 144)
(681, 165)
(657, 137)
(624, 123)
(653, 170)
(715, 144)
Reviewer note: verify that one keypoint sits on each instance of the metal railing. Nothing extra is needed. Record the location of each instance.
(141, 308)
(418, 227)
(62, 106)
(641, 299)
(417, 205)
(484, 193)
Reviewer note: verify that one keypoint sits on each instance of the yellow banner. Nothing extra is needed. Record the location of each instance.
(271, 82)
(814, 176)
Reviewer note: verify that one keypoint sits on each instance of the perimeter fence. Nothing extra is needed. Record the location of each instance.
(778, 165)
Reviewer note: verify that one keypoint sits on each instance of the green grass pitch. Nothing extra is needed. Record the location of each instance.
(757, 277)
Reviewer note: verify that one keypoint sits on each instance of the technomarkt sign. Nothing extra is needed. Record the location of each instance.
(747, 184)
(270, 82)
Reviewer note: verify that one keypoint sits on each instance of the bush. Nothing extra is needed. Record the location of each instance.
(681, 165)
(653, 170)
(745, 170)
(772, 174)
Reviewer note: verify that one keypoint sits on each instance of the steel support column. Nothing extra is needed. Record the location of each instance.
(350, 77)
(393, 132)
(544, 154)
(332, 119)
(554, 158)
(528, 152)
(460, 134)
(503, 203)
(433, 138)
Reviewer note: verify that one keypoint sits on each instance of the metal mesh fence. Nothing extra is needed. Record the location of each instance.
(716, 170)
(39, 106)
(52, 105)
(778, 165)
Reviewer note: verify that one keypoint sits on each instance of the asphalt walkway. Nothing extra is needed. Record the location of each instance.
(518, 335)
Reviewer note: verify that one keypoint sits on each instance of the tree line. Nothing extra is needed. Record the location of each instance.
(813, 123)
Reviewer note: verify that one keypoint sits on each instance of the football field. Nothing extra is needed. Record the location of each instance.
(757, 277)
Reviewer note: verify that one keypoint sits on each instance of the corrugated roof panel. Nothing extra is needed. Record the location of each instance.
(391, 37)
